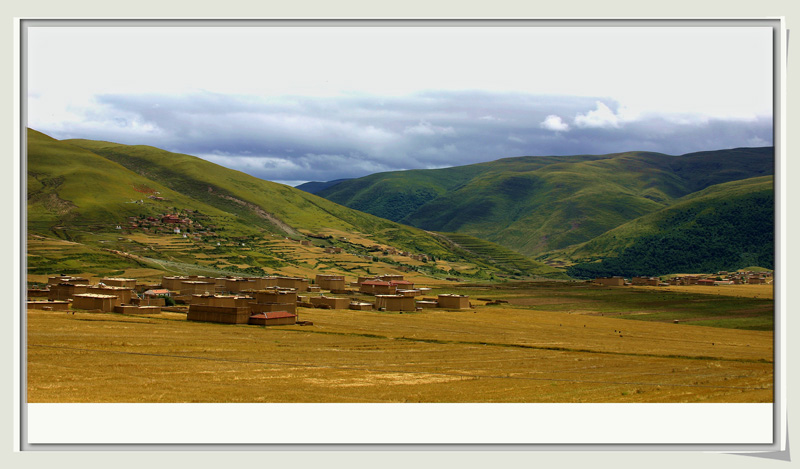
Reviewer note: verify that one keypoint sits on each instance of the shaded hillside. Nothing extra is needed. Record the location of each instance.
(724, 227)
(538, 204)
(314, 187)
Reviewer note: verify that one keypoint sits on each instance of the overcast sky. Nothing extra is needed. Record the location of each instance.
(295, 104)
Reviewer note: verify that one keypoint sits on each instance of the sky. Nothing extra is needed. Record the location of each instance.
(297, 104)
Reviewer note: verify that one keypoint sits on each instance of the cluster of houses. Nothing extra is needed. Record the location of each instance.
(167, 223)
(720, 278)
(269, 300)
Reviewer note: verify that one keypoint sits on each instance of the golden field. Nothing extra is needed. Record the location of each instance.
(536, 348)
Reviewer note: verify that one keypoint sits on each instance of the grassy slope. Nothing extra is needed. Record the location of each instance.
(538, 204)
(614, 241)
(61, 172)
(724, 227)
(70, 185)
(277, 207)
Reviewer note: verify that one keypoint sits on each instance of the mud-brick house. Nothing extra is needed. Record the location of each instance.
(705, 281)
(453, 301)
(221, 300)
(649, 281)
(219, 314)
(273, 318)
(238, 284)
(391, 277)
(756, 280)
(610, 281)
(330, 282)
(274, 300)
(299, 284)
(67, 279)
(125, 295)
(49, 305)
(333, 250)
(129, 283)
(361, 306)
(378, 287)
(95, 302)
(65, 291)
(395, 303)
(264, 282)
(191, 287)
(330, 302)
(173, 283)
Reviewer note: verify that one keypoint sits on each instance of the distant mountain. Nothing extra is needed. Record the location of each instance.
(727, 226)
(534, 205)
(80, 189)
(314, 187)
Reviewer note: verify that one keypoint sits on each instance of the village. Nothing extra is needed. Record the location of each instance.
(721, 278)
(271, 300)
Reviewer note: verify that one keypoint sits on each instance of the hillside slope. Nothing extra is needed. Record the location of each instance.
(727, 226)
(90, 192)
(538, 204)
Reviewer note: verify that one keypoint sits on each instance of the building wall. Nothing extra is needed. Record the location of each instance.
(103, 303)
(269, 307)
(453, 301)
(272, 321)
(120, 282)
(53, 305)
(610, 282)
(395, 303)
(65, 291)
(218, 314)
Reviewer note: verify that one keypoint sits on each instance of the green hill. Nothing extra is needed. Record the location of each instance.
(727, 226)
(90, 191)
(538, 204)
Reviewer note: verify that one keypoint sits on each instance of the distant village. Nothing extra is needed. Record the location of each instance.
(721, 278)
(239, 300)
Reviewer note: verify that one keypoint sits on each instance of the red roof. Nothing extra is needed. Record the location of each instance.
(273, 315)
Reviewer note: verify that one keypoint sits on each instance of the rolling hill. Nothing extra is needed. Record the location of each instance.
(534, 205)
(88, 191)
(726, 226)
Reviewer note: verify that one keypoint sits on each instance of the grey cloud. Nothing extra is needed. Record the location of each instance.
(296, 138)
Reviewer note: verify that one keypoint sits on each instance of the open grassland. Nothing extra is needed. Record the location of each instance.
(535, 348)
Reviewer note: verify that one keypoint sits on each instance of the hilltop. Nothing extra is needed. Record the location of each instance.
(538, 204)
(127, 201)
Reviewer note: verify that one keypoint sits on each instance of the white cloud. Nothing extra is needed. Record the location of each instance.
(602, 117)
(554, 123)
(426, 128)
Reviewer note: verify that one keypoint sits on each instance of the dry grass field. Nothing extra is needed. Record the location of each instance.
(538, 350)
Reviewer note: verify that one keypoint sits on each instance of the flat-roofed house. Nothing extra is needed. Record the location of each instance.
(94, 302)
(274, 300)
(330, 282)
(378, 287)
(273, 318)
(453, 301)
(238, 284)
(173, 283)
(124, 294)
(299, 284)
(65, 291)
(219, 314)
(120, 282)
(191, 287)
(610, 281)
(395, 303)
(330, 302)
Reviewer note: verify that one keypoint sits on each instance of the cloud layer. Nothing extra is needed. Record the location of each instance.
(292, 139)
